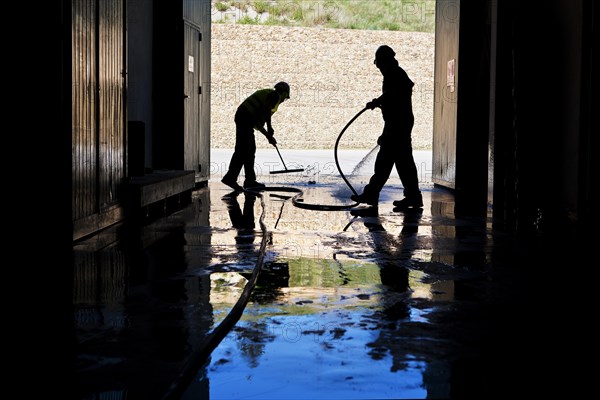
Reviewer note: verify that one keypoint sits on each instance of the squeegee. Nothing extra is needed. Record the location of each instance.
(286, 170)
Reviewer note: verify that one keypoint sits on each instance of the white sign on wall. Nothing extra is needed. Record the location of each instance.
(450, 75)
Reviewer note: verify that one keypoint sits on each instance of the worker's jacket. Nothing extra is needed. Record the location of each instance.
(396, 102)
(262, 104)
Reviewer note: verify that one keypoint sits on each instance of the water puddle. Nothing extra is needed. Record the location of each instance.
(345, 306)
(318, 328)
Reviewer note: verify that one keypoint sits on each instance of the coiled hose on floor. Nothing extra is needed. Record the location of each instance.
(297, 201)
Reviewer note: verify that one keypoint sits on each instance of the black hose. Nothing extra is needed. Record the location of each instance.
(212, 340)
(299, 203)
(335, 148)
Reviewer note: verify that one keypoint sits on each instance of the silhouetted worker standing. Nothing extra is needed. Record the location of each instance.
(254, 112)
(395, 142)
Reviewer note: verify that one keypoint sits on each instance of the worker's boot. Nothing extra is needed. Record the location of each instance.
(253, 185)
(232, 184)
(415, 201)
(371, 200)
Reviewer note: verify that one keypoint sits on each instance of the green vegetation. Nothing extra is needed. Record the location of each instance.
(261, 6)
(395, 15)
(247, 20)
(313, 272)
(220, 6)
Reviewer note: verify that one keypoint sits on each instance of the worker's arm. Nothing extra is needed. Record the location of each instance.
(270, 130)
(397, 89)
(388, 94)
(268, 133)
(272, 101)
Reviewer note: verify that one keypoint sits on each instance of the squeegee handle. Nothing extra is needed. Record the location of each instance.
(280, 156)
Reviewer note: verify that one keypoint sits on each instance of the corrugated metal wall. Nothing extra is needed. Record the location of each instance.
(200, 11)
(205, 62)
(111, 91)
(98, 110)
(195, 10)
(196, 17)
(445, 107)
(192, 104)
(83, 114)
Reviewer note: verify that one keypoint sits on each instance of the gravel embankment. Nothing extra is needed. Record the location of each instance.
(332, 77)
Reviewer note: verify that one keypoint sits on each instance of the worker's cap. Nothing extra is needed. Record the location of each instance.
(384, 53)
(283, 88)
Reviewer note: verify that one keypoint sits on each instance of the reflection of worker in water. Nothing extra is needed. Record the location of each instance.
(243, 221)
(395, 142)
(389, 252)
(273, 276)
(401, 345)
(254, 112)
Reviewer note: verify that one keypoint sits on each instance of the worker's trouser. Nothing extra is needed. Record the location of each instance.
(395, 149)
(245, 147)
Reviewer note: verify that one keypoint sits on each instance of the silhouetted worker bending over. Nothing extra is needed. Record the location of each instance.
(253, 113)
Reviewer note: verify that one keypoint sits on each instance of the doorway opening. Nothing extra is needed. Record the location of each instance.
(325, 51)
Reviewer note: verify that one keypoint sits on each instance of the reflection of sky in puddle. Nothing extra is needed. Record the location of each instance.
(312, 356)
(326, 325)
(318, 336)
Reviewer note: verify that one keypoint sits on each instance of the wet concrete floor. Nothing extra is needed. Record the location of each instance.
(347, 304)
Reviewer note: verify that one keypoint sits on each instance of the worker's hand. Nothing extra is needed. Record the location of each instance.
(270, 132)
(380, 140)
(272, 140)
(372, 104)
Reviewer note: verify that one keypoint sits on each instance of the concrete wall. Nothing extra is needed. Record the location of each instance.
(332, 77)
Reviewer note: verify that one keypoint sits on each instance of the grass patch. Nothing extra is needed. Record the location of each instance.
(220, 6)
(247, 20)
(395, 15)
(261, 7)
